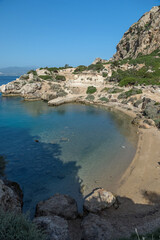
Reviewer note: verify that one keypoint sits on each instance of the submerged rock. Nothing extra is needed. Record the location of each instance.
(60, 205)
(10, 197)
(98, 200)
(55, 227)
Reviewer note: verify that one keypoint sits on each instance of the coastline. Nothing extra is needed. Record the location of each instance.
(140, 180)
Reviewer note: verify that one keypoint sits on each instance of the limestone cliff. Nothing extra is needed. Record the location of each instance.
(142, 37)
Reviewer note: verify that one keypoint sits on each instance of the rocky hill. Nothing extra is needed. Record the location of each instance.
(143, 37)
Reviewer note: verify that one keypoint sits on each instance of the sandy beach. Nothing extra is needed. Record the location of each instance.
(141, 180)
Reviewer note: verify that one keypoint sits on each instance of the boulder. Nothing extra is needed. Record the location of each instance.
(96, 227)
(98, 200)
(56, 228)
(10, 200)
(59, 205)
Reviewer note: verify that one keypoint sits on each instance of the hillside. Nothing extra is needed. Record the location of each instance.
(143, 37)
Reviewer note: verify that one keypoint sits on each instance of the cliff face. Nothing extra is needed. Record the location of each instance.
(142, 37)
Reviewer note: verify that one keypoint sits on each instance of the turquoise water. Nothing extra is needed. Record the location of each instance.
(79, 147)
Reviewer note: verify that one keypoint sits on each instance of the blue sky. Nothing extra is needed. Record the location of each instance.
(56, 32)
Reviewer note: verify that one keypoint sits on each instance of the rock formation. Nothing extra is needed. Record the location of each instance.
(59, 205)
(10, 197)
(142, 37)
(98, 200)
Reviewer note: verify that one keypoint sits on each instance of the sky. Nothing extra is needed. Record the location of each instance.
(57, 32)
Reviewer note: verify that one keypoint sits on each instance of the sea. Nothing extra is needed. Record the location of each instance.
(71, 149)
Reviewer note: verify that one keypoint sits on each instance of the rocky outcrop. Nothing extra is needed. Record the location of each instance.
(96, 227)
(10, 197)
(59, 205)
(60, 101)
(55, 227)
(98, 200)
(142, 37)
(99, 60)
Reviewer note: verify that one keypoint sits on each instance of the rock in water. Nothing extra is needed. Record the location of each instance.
(55, 227)
(98, 200)
(59, 205)
(10, 200)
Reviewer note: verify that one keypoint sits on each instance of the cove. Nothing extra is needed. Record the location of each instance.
(79, 148)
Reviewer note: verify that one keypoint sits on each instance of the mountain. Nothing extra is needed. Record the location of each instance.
(14, 71)
(143, 37)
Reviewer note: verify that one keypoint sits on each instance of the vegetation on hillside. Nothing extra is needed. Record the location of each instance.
(91, 90)
(33, 72)
(147, 75)
(130, 93)
(93, 67)
(60, 78)
(18, 227)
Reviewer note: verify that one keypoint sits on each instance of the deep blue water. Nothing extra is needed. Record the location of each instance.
(78, 145)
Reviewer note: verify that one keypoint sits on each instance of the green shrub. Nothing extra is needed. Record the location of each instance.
(91, 90)
(60, 78)
(90, 98)
(96, 67)
(104, 74)
(45, 77)
(33, 72)
(104, 99)
(105, 89)
(115, 90)
(128, 81)
(18, 227)
(80, 69)
(129, 93)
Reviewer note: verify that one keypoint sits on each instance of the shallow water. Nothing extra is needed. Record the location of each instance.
(79, 146)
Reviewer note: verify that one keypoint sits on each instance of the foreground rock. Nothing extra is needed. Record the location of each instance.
(55, 227)
(59, 205)
(10, 198)
(99, 200)
(97, 228)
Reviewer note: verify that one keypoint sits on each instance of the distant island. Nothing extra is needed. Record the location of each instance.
(14, 71)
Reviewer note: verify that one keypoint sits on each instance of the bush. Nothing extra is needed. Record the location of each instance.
(104, 74)
(128, 81)
(104, 99)
(90, 98)
(80, 69)
(33, 72)
(96, 67)
(129, 93)
(60, 78)
(91, 90)
(18, 227)
(115, 90)
(46, 77)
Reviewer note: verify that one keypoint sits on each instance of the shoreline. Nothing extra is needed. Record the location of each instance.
(139, 181)
(137, 193)
(133, 174)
